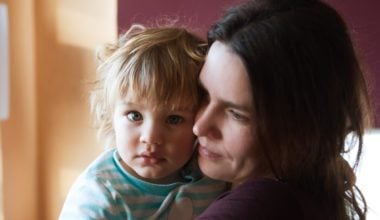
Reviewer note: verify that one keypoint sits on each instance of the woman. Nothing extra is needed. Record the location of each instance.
(283, 88)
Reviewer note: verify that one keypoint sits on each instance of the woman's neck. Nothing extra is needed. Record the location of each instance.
(263, 176)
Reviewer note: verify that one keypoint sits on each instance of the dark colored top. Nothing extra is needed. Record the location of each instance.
(267, 199)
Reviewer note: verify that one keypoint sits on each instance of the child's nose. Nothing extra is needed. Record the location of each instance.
(151, 134)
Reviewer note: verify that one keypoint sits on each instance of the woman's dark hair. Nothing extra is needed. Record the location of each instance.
(309, 93)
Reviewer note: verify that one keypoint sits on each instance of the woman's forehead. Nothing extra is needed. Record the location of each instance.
(224, 76)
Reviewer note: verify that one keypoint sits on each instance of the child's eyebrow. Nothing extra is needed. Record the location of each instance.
(185, 109)
(138, 105)
(128, 103)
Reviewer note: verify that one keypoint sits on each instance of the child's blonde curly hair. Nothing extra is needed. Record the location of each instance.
(160, 65)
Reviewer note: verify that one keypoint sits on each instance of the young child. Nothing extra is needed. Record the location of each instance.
(145, 103)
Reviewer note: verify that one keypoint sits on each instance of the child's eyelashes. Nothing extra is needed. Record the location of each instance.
(174, 119)
(134, 116)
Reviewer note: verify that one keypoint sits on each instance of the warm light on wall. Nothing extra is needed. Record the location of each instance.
(77, 26)
(1, 180)
(4, 87)
(367, 179)
(4, 63)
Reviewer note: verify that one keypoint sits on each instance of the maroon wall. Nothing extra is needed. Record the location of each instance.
(197, 15)
(363, 17)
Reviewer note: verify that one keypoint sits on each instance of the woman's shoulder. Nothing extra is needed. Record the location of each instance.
(261, 199)
(266, 195)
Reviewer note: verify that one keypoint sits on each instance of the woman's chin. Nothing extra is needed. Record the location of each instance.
(210, 168)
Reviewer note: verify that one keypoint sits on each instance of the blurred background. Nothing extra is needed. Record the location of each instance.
(46, 134)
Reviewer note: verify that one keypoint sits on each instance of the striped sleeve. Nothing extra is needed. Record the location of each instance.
(91, 199)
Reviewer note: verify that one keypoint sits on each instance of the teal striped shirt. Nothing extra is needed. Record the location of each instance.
(107, 191)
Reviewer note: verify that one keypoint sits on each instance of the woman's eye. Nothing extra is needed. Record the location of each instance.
(174, 119)
(134, 116)
(237, 116)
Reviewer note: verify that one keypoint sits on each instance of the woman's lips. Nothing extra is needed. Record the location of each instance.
(204, 152)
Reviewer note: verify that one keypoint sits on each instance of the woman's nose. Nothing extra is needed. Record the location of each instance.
(206, 123)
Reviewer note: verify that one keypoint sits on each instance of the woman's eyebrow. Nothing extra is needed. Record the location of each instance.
(241, 107)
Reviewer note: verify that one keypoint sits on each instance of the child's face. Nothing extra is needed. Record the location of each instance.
(154, 144)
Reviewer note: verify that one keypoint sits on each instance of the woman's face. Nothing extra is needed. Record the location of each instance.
(224, 124)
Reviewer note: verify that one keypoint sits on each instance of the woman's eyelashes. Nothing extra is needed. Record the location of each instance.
(238, 116)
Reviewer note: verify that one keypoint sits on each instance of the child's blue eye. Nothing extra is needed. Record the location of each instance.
(174, 119)
(134, 116)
